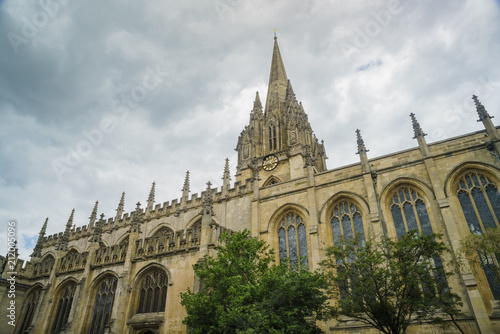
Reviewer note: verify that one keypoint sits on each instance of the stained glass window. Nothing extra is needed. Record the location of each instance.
(292, 237)
(30, 306)
(103, 305)
(410, 213)
(63, 307)
(480, 201)
(153, 292)
(346, 221)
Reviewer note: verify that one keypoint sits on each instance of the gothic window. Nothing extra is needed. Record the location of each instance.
(63, 307)
(153, 292)
(30, 306)
(346, 221)
(272, 138)
(480, 201)
(409, 212)
(292, 240)
(104, 297)
(44, 267)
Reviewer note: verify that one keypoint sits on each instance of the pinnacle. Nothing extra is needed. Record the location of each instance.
(186, 183)
(481, 110)
(361, 142)
(151, 197)
(416, 127)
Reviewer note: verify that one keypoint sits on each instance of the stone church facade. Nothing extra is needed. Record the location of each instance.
(124, 274)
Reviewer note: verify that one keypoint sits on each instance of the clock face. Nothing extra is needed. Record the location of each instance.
(270, 162)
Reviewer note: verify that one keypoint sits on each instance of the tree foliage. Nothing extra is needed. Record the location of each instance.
(390, 284)
(481, 249)
(244, 291)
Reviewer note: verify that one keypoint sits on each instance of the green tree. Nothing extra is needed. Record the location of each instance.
(481, 249)
(390, 284)
(244, 291)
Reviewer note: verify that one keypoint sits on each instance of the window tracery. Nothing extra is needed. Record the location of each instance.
(103, 305)
(480, 202)
(29, 309)
(346, 221)
(153, 292)
(293, 240)
(409, 212)
(63, 307)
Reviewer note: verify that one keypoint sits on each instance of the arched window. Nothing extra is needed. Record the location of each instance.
(480, 201)
(272, 138)
(29, 309)
(104, 297)
(292, 240)
(63, 307)
(44, 267)
(346, 221)
(153, 292)
(409, 212)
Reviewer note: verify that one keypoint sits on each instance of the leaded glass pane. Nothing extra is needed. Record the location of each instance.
(469, 181)
(156, 299)
(482, 208)
(347, 228)
(423, 217)
(337, 233)
(358, 226)
(303, 245)
(468, 210)
(491, 277)
(163, 298)
(494, 197)
(398, 221)
(474, 179)
(411, 221)
(282, 242)
(292, 245)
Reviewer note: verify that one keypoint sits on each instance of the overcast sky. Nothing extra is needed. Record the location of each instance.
(101, 97)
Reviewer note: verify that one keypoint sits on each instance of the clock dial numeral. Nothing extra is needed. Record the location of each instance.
(270, 162)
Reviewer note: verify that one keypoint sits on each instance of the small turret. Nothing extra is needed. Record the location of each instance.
(37, 251)
(93, 215)
(151, 199)
(63, 242)
(185, 189)
(119, 210)
(226, 178)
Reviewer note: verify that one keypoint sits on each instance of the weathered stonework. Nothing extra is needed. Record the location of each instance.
(172, 237)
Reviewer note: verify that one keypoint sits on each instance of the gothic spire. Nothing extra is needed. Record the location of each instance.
(416, 127)
(483, 114)
(64, 240)
(119, 210)
(277, 81)
(151, 198)
(93, 215)
(37, 251)
(208, 201)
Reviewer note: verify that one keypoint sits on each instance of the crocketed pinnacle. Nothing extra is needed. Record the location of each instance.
(416, 127)
(481, 111)
(37, 250)
(185, 188)
(361, 142)
(119, 210)
(93, 215)
(63, 242)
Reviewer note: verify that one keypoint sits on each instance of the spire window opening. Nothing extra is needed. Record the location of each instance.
(272, 138)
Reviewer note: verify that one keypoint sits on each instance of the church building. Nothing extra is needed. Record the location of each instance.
(124, 274)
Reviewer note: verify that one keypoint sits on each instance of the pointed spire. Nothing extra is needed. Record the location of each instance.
(64, 240)
(97, 236)
(416, 127)
(361, 143)
(185, 189)
(119, 210)
(37, 251)
(151, 198)
(277, 81)
(257, 105)
(93, 215)
(483, 114)
(226, 178)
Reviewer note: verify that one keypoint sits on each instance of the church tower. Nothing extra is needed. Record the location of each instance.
(278, 143)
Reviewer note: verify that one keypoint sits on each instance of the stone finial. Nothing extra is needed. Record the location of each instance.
(37, 251)
(136, 219)
(481, 111)
(208, 201)
(361, 143)
(63, 242)
(97, 236)
(93, 215)
(417, 130)
(119, 210)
